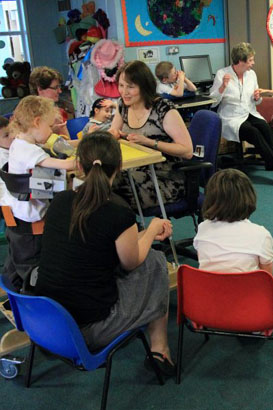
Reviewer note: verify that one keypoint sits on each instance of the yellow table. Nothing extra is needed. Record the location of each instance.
(134, 155)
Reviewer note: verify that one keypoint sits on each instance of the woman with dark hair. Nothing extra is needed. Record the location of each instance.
(227, 241)
(103, 271)
(145, 118)
(236, 91)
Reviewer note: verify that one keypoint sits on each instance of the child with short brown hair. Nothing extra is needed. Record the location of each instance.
(227, 241)
(172, 81)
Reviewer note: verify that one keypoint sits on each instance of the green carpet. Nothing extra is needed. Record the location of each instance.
(223, 374)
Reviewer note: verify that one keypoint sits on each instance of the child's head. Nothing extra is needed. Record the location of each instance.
(100, 145)
(102, 109)
(230, 196)
(166, 72)
(34, 116)
(5, 136)
(99, 156)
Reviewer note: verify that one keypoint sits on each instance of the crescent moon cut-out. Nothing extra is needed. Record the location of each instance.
(140, 27)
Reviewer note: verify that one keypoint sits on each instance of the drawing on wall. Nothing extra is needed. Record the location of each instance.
(161, 22)
(148, 55)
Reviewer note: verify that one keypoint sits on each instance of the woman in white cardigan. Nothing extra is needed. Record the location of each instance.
(236, 91)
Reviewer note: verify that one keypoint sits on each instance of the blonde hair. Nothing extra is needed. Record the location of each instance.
(28, 109)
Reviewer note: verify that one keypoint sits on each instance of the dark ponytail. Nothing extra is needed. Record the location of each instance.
(99, 155)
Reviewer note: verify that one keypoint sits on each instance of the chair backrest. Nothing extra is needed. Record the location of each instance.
(76, 125)
(49, 325)
(266, 108)
(227, 301)
(205, 129)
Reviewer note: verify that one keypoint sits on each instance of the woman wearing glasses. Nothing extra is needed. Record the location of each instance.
(236, 91)
(46, 82)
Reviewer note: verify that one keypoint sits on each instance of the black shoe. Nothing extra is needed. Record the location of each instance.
(166, 368)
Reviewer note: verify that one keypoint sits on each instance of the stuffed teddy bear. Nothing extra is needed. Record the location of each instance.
(88, 9)
(16, 82)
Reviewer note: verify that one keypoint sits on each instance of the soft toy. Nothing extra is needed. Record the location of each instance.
(88, 9)
(16, 82)
(74, 16)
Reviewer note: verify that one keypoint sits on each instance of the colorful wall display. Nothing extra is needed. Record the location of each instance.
(161, 22)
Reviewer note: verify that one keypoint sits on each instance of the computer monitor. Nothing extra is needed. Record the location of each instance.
(198, 70)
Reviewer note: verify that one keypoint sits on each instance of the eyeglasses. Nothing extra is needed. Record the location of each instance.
(57, 87)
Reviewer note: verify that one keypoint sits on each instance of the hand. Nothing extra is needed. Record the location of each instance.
(162, 228)
(137, 139)
(257, 94)
(93, 128)
(180, 75)
(226, 79)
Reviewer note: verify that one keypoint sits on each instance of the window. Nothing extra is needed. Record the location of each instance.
(13, 36)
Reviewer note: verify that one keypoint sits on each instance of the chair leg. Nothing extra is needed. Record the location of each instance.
(149, 354)
(179, 353)
(106, 381)
(29, 364)
(206, 337)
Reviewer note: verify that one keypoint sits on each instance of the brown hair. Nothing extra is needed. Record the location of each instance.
(3, 122)
(42, 77)
(96, 189)
(162, 70)
(28, 109)
(229, 196)
(241, 52)
(137, 72)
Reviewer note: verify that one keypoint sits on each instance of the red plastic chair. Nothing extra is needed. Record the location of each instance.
(228, 304)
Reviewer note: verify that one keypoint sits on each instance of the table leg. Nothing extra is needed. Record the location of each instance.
(132, 183)
(162, 208)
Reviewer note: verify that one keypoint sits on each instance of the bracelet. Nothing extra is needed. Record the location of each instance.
(156, 144)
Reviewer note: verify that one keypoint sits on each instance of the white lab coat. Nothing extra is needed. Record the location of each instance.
(236, 102)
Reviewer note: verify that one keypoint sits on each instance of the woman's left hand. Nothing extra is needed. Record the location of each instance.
(138, 139)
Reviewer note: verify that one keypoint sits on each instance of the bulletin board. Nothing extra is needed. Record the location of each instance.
(163, 22)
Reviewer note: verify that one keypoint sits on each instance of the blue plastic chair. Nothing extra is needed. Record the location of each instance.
(76, 125)
(50, 326)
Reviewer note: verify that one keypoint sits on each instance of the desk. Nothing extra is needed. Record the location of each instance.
(193, 104)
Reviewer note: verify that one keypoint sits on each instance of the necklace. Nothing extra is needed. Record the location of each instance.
(136, 117)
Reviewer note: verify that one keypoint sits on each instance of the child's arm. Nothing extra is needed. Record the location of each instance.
(68, 164)
(190, 85)
(178, 89)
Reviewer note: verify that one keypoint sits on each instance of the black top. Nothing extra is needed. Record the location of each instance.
(80, 275)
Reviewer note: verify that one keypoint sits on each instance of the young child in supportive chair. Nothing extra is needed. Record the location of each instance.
(227, 241)
(171, 81)
(31, 125)
(5, 141)
(100, 116)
